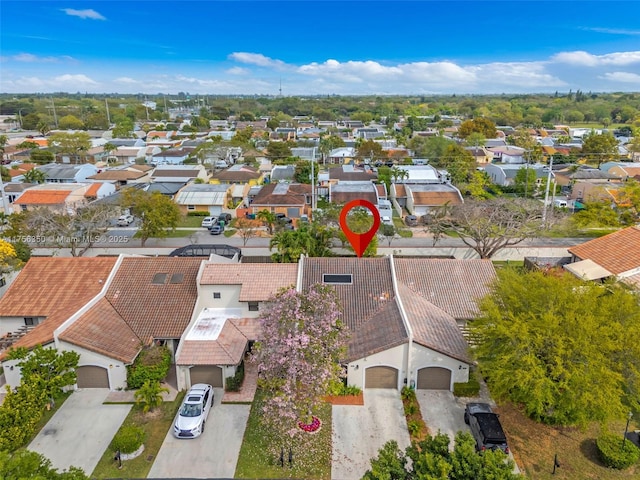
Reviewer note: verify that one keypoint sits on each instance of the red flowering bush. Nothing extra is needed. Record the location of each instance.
(310, 427)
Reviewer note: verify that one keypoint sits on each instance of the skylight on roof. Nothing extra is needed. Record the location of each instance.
(159, 278)
(177, 278)
(337, 279)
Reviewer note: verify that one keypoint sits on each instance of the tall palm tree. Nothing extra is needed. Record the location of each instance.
(268, 218)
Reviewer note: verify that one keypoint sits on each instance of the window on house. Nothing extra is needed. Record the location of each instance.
(3, 282)
(29, 321)
(217, 295)
(253, 306)
(191, 207)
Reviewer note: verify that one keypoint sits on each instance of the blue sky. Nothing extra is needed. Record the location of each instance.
(319, 47)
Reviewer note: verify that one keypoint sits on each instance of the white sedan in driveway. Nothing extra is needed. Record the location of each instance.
(194, 411)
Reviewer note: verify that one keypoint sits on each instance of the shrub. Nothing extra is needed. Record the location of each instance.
(149, 395)
(338, 388)
(414, 427)
(468, 389)
(128, 439)
(233, 384)
(152, 365)
(615, 453)
(408, 394)
(198, 214)
(410, 408)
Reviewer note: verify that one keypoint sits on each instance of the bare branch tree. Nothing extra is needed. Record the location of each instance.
(488, 226)
(247, 229)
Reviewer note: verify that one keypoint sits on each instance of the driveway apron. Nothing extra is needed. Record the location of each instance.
(214, 454)
(360, 431)
(442, 411)
(80, 431)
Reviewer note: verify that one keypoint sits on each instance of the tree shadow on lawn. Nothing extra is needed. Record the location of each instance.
(589, 449)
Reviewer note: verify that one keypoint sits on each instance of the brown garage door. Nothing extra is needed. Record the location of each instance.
(206, 374)
(434, 378)
(381, 377)
(92, 377)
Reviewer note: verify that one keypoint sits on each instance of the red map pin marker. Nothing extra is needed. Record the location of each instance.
(359, 241)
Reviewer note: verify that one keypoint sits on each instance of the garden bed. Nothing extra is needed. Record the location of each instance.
(345, 399)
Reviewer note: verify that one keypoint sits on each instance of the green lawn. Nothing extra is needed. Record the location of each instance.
(190, 222)
(311, 457)
(156, 425)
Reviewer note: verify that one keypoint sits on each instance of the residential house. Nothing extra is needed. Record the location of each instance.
(351, 173)
(57, 173)
(61, 198)
(305, 153)
(292, 199)
(13, 190)
(341, 155)
(419, 174)
(584, 182)
(170, 189)
(129, 155)
(282, 173)
(623, 170)
(179, 173)
(238, 174)
(508, 154)
(123, 176)
(401, 313)
(346, 191)
(504, 174)
(614, 255)
(16, 172)
(481, 155)
(204, 197)
(172, 156)
(422, 198)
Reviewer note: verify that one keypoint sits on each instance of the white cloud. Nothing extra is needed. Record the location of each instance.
(625, 77)
(614, 31)
(79, 79)
(237, 71)
(31, 58)
(582, 58)
(84, 14)
(126, 80)
(256, 59)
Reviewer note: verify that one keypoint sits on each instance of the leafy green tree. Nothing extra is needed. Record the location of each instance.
(35, 175)
(390, 464)
(302, 172)
(123, 129)
(329, 143)
(70, 122)
(242, 138)
(369, 149)
(43, 128)
(31, 121)
(5, 176)
(278, 150)
(596, 214)
(72, 144)
(158, 214)
(488, 226)
(46, 369)
(25, 464)
(41, 157)
(28, 145)
(97, 121)
(313, 241)
(388, 232)
(525, 182)
(561, 347)
(481, 125)
(600, 148)
(268, 218)
(149, 395)
(3, 144)
(458, 162)
(478, 187)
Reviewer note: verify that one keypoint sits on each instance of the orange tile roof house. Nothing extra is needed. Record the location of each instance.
(616, 254)
(61, 197)
(403, 314)
(292, 199)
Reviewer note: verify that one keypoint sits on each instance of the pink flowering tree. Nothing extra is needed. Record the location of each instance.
(303, 343)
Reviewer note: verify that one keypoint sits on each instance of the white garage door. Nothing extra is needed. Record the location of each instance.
(92, 377)
(434, 378)
(381, 377)
(210, 374)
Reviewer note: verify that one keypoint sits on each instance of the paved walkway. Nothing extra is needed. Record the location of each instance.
(249, 385)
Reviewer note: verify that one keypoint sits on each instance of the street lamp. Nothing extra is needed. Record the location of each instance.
(20, 117)
(626, 429)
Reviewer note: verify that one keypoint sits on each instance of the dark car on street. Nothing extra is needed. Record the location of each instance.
(485, 427)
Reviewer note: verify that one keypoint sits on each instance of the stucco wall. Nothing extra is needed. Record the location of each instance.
(394, 357)
(422, 357)
(116, 369)
(10, 324)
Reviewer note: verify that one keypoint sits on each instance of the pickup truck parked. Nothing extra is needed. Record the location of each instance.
(485, 427)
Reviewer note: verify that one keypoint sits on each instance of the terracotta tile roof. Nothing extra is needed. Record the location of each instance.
(296, 195)
(161, 310)
(432, 327)
(120, 175)
(259, 280)
(168, 172)
(382, 190)
(92, 191)
(104, 331)
(618, 252)
(21, 169)
(227, 349)
(452, 285)
(368, 304)
(436, 198)
(54, 288)
(249, 327)
(400, 190)
(345, 197)
(43, 197)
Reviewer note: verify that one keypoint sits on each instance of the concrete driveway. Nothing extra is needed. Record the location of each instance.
(441, 410)
(360, 431)
(212, 455)
(81, 430)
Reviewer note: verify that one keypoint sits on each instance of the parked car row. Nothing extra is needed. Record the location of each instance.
(209, 222)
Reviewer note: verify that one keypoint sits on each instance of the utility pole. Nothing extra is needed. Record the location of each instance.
(106, 104)
(5, 200)
(55, 116)
(546, 194)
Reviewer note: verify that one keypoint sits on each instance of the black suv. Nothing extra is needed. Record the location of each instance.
(485, 427)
